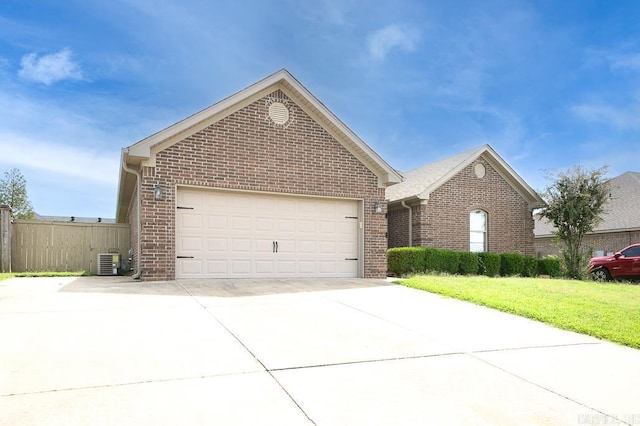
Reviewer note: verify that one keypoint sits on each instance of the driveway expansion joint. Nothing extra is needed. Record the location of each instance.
(212, 315)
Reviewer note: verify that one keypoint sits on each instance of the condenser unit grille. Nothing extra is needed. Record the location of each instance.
(108, 263)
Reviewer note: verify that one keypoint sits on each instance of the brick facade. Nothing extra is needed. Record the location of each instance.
(442, 221)
(247, 151)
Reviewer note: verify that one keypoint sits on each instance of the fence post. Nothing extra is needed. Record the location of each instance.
(5, 239)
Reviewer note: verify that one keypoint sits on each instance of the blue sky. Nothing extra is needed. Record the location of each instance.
(548, 84)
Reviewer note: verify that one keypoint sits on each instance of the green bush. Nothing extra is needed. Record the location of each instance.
(450, 261)
(468, 263)
(549, 266)
(432, 259)
(405, 260)
(488, 264)
(530, 268)
(511, 264)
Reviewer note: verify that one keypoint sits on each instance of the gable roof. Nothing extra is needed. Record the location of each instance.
(421, 182)
(144, 151)
(621, 210)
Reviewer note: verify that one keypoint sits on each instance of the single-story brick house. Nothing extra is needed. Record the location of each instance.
(265, 183)
(472, 201)
(620, 224)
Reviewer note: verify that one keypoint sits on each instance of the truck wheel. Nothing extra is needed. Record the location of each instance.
(601, 275)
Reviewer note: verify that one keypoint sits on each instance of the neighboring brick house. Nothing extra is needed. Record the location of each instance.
(266, 183)
(473, 201)
(620, 224)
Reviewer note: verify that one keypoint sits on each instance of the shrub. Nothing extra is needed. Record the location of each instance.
(468, 263)
(405, 260)
(549, 266)
(450, 261)
(431, 259)
(511, 264)
(530, 267)
(489, 264)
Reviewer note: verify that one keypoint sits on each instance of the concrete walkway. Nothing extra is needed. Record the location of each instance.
(99, 350)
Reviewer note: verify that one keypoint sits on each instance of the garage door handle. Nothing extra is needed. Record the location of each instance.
(275, 247)
(350, 258)
(185, 257)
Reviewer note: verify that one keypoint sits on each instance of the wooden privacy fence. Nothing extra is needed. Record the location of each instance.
(65, 246)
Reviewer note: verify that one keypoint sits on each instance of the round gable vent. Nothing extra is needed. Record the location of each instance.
(279, 113)
(479, 170)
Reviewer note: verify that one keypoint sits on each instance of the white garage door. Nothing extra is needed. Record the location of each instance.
(224, 234)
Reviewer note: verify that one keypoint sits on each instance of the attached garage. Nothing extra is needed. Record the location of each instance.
(266, 183)
(227, 234)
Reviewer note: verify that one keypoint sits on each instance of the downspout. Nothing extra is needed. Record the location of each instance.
(410, 223)
(138, 223)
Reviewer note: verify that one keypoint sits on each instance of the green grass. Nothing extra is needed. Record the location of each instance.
(4, 275)
(606, 311)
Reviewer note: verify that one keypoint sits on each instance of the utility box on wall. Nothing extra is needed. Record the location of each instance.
(108, 263)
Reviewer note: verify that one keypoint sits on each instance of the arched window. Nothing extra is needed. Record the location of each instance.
(478, 231)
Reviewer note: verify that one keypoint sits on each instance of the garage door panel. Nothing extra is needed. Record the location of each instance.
(346, 248)
(193, 221)
(286, 225)
(286, 267)
(241, 223)
(263, 224)
(306, 226)
(241, 267)
(217, 268)
(264, 246)
(217, 245)
(307, 247)
(327, 267)
(190, 244)
(346, 268)
(233, 234)
(346, 227)
(307, 267)
(326, 247)
(190, 199)
(240, 202)
(217, 222)
(286, 247)
(264, 267)
(326, 227)
(191, 267)
(241, 246)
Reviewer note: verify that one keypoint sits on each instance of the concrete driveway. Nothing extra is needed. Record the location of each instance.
(100, 350)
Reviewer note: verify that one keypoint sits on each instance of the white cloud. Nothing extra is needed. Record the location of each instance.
(630, 62)
(71, 161)
(620, 118)
(381, 42)
(49, 69)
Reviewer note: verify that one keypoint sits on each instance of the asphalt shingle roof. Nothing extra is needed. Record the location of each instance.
(418, 180)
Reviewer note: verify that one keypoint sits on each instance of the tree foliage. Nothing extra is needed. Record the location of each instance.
(13, 193)
(576, 201)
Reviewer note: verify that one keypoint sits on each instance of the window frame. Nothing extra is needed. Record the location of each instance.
(483, 232)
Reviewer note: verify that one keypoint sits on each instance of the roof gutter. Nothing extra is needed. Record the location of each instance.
(402, 203)
(136, 173)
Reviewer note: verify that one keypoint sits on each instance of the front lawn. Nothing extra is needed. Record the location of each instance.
(606, 311)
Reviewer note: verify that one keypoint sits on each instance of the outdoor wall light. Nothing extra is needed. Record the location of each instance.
(157, 192)
(377, 207)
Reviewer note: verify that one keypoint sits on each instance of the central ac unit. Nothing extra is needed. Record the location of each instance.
(108, 263)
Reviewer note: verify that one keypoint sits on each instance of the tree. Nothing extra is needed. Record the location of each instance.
(575, 201)
(13, 192)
